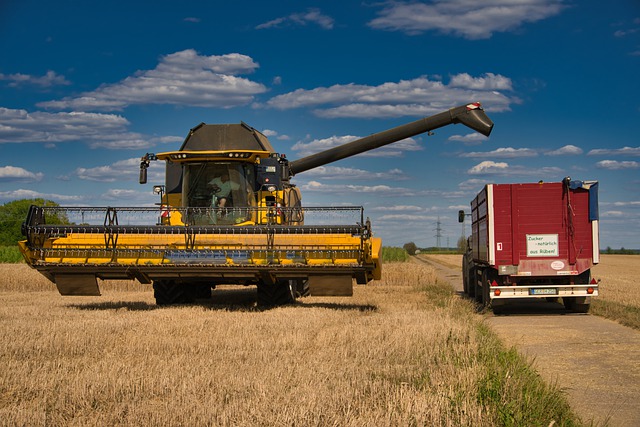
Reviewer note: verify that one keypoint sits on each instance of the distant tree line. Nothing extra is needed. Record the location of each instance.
(621, 251)
(13, 214)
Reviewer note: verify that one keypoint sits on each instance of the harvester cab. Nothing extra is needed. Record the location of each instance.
(229, 214)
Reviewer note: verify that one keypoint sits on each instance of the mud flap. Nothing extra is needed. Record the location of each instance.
(77, 284)
(331, 286)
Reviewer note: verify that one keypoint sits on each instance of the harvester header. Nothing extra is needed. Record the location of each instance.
(228, 214)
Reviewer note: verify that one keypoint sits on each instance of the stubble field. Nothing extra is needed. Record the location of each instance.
(403, 351)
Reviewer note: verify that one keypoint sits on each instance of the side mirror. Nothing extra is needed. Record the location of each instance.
(143, 173)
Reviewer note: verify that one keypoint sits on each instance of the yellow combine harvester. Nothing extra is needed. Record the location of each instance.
(228, 215)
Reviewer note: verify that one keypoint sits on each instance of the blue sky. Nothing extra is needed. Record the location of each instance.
(87, 88)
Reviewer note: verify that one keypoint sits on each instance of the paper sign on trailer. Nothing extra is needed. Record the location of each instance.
(542, 245)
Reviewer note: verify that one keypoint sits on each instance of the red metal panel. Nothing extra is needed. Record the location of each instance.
(543, 228)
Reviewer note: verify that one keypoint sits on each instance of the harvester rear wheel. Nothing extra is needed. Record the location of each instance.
(168, 292)
(281, 292)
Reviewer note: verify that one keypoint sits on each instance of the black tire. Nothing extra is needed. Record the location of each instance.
(471, 282)
(465, 275)
(168, 292)
(302, 288)
(486, 279)
(478, 288)
(281, 292)
(577, 305)
(199, 291)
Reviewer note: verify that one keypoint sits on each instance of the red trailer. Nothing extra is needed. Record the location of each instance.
(535, 240)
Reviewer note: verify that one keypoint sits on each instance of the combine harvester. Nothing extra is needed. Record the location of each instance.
(228, 215)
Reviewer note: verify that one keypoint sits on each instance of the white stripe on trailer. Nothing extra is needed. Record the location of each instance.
(491, 225)
(595, 238)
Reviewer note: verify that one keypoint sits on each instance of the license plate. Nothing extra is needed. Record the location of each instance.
(543, 291)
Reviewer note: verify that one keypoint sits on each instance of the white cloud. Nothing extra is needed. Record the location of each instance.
(565, 151)
(51, 78)
(464, 18)
(311, 16)
(473, 184)
(181, 78)
(616, 165)
(94, 129)
(469, 139)
(122, 170)
(624, 151)
(30, 194)
(119, 194)
(352, 174)
(488, 167)
(192, 19)
(503, 153)
(395, 149)
(398, 208)
(629, 203)
(15, 174)
(417, 97)
(272, 133)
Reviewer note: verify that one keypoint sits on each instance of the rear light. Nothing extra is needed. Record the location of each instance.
(594, 282)
(590, 290)
(497, 292)
(494, 283)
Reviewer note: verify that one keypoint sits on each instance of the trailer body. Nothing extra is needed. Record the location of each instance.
(534, 240)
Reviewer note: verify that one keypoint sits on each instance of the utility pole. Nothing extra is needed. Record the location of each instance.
(438, 231)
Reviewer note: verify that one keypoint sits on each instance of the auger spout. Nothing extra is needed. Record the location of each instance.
(470, 115)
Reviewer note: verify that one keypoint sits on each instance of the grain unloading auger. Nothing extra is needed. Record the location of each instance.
(228, 215)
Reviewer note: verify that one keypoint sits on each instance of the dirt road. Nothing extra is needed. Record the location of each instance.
(595, 360)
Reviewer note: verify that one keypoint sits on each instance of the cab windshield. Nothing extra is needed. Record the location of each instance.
(213, 185)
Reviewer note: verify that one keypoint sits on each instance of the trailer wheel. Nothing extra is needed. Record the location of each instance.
(281, 292)
(477, 284)
(465, 276)
(471, 282)
(486, 300)
(168, 292)
(577, 305)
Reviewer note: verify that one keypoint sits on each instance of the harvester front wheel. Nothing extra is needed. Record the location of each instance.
(281, 292)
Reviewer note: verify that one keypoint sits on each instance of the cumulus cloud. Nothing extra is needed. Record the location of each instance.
(488, 167)
(418, 97)
(565, 151)
(353, 174)
(180, 78)
(51, 78)
(492, 168)
(396, 149)
(311, 16)
(94, 129)
(272, 133)
(469, 139)
(624, 151)
(503, 153)
(463, 18)
(15, 174)
(31, 194)
(122, 170)
(616, 165)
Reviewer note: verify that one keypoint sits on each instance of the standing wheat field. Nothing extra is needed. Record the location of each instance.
(403, 351)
